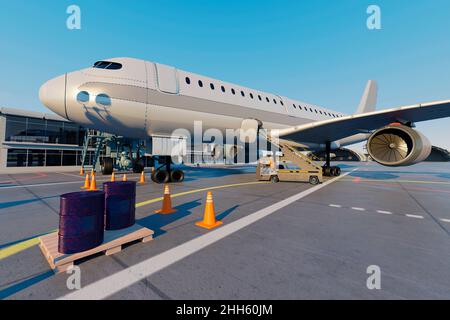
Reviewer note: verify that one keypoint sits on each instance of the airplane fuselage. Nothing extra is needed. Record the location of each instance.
(138, 99)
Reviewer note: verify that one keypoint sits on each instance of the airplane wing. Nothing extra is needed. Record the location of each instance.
(335, 129)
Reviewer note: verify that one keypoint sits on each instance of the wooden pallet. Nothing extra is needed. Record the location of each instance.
(113, 241)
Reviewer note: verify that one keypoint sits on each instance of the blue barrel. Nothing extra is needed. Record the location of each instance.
(120, 204)
(81, 221)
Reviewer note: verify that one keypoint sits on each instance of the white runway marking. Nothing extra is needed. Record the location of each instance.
(445, 220)
(121, 280)
(414, 216)
(358, 209)
(384, 212)
(335, 205)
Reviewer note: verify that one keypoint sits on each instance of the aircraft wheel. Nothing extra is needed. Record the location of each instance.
(107, 167)
(337, 171)
(314, 180)
(138, 168)
(177, 176)
(274, 179)
(327, 171)
(160, 176)
(332, 171)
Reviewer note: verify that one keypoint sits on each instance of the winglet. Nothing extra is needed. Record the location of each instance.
(369, 99)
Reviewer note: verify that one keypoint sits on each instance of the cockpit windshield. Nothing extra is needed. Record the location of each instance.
(107, 65)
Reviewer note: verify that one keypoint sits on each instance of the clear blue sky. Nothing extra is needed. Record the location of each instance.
(318, 51)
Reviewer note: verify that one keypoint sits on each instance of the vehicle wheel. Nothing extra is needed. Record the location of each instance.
(177, 176)
(107, 167)
(314, 180)
(337, 171)
(160, 176)
(274, 179)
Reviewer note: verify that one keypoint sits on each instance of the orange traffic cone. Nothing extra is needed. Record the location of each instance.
(81, 171)
(113, 177)
(87, 184)
(142, 180)
(167, 202)
(92, 172)
(93, 184)
(209, 219)
(125, 178)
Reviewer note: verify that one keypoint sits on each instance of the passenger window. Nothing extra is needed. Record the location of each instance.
(274, 101)
(282, 103)
(233, 91)
(267, 99)
(242, 93)
(188, 81)
(200, 83)
(212, 86)
(251, 95)
(259, 97)
(295, 107)
(223, 89)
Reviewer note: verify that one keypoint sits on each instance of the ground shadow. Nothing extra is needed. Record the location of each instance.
(226, 213)
(208, 172)
(375, 175)
(156, 222)
(24, 239)
(9, 291)
(5, 205)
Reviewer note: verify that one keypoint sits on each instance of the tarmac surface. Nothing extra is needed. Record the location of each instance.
(278, 241)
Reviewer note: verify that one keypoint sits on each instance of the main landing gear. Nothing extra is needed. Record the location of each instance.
(164, 173)
(328, 170)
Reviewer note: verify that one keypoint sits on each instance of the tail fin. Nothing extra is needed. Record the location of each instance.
(369, 99)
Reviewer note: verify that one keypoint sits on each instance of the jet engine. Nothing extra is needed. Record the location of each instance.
(398, 145)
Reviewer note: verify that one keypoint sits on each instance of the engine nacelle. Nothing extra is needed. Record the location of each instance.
(398, 145)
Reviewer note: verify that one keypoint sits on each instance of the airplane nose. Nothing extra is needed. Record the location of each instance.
(53, 95)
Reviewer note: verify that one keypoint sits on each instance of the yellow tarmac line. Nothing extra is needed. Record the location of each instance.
(402, 181)
(16, 248)
(144, 203)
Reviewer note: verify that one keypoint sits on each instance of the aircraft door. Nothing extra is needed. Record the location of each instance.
(167, 79)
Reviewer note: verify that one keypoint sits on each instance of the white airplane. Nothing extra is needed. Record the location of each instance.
(138, 99)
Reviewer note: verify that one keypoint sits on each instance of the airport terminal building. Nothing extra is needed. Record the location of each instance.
(31, 140)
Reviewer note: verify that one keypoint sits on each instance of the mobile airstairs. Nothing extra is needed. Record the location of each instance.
(292, 165)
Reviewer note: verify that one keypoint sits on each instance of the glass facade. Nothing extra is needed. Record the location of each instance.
(24, 129)
(45, 132)
(45, 158)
